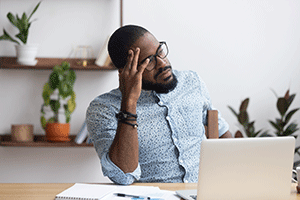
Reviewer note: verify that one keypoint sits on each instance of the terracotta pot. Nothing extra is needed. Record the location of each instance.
(57, 132)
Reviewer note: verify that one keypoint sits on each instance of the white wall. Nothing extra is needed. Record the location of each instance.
(240, 48)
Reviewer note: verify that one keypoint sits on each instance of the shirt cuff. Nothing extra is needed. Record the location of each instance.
(224, 128)
(116, 175)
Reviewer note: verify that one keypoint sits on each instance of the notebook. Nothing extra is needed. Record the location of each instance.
(244, 169)
(81, 191)
(86, 191)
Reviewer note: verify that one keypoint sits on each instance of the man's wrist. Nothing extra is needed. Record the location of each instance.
(128, 106)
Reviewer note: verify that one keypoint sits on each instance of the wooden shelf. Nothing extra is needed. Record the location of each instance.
(49, 63)
(40, 141)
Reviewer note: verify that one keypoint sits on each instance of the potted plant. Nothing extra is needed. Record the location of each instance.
(283, 104)
(58, 94)
(243, 119)
(26, 53)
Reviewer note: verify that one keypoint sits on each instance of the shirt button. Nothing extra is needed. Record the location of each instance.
(175, 140)
(181, 161)
(160, 103)
(186, 181)
(168, 118)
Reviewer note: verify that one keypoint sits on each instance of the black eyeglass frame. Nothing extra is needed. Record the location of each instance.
(157, 54)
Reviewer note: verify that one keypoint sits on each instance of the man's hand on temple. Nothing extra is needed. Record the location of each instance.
(130, 78)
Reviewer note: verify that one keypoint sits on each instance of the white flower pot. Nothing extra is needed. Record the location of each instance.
(26, 54)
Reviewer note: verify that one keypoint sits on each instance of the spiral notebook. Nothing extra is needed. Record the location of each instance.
(86, 191)
(80, 191)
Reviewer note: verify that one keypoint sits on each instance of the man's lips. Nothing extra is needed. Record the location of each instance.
(163, 71)
(165, 74)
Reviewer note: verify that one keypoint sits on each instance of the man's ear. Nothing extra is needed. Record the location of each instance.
(120, 70)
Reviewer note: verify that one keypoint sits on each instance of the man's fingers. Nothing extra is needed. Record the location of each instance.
(135, 60)
(143, 66)
(129, 60)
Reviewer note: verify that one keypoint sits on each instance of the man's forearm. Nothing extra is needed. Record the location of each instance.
(124, 151)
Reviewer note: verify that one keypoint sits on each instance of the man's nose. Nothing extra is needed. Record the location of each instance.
(161, 62)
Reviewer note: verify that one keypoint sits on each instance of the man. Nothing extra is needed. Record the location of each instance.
(150, 128)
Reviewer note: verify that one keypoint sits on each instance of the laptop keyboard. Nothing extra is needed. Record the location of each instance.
(194, 196)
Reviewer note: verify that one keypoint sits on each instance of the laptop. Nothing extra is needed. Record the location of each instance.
(244, 169)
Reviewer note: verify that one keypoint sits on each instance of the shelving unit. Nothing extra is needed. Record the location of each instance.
(49, 63)
(10, 63)
(40, 141)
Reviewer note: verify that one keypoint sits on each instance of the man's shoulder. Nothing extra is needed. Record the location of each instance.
(111, 97)
(187, 77)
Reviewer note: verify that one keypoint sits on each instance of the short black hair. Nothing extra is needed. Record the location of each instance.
(121, 41)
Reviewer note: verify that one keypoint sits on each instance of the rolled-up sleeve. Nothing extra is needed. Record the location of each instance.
(102, 125)
(115, 174)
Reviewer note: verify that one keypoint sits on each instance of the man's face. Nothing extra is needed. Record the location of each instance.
(160, 78)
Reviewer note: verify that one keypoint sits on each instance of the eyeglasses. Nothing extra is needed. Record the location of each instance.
(162, 52)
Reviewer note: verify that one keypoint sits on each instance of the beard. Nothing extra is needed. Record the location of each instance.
(161, 87)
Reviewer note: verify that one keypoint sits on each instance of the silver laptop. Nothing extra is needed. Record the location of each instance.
(244, 169)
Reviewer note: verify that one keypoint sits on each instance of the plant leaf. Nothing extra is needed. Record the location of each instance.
(282, 106)
(52, 120)
(65, 89)
(243, 117)
(6, 36)
(43, 122)
(232, 110)
(72, 103)
(274, 125)
(47, 91)
(12, 19)
(22, 36)
(251, 129)
(34, 10)
(54, 80)
(290, 129)
(296, 149)
(55, 105)
(67, 113)
(290, 114)
(287, 95)
(65, 66)
(23, 26)
(71, 77)
(244, 105)
(290, 99)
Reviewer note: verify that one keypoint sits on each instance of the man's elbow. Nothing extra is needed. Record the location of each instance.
(226, 135)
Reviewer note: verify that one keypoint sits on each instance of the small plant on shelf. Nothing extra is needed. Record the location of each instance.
(25, 53)
(61, 80)
(23, 24)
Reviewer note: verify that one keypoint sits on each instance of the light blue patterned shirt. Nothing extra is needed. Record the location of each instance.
(170, 131)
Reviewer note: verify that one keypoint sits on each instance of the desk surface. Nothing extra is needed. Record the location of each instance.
(47, 191)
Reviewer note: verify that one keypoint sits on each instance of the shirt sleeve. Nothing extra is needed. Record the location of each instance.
(102, 125)
(115, 174)
(223, 125)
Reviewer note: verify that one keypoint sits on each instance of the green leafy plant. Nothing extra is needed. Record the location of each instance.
(281, 125)
(61, 79)
(243, 119)
(23, 24)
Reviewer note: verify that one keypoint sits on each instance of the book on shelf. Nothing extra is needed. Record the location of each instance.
(82, 134)
(103, 58)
